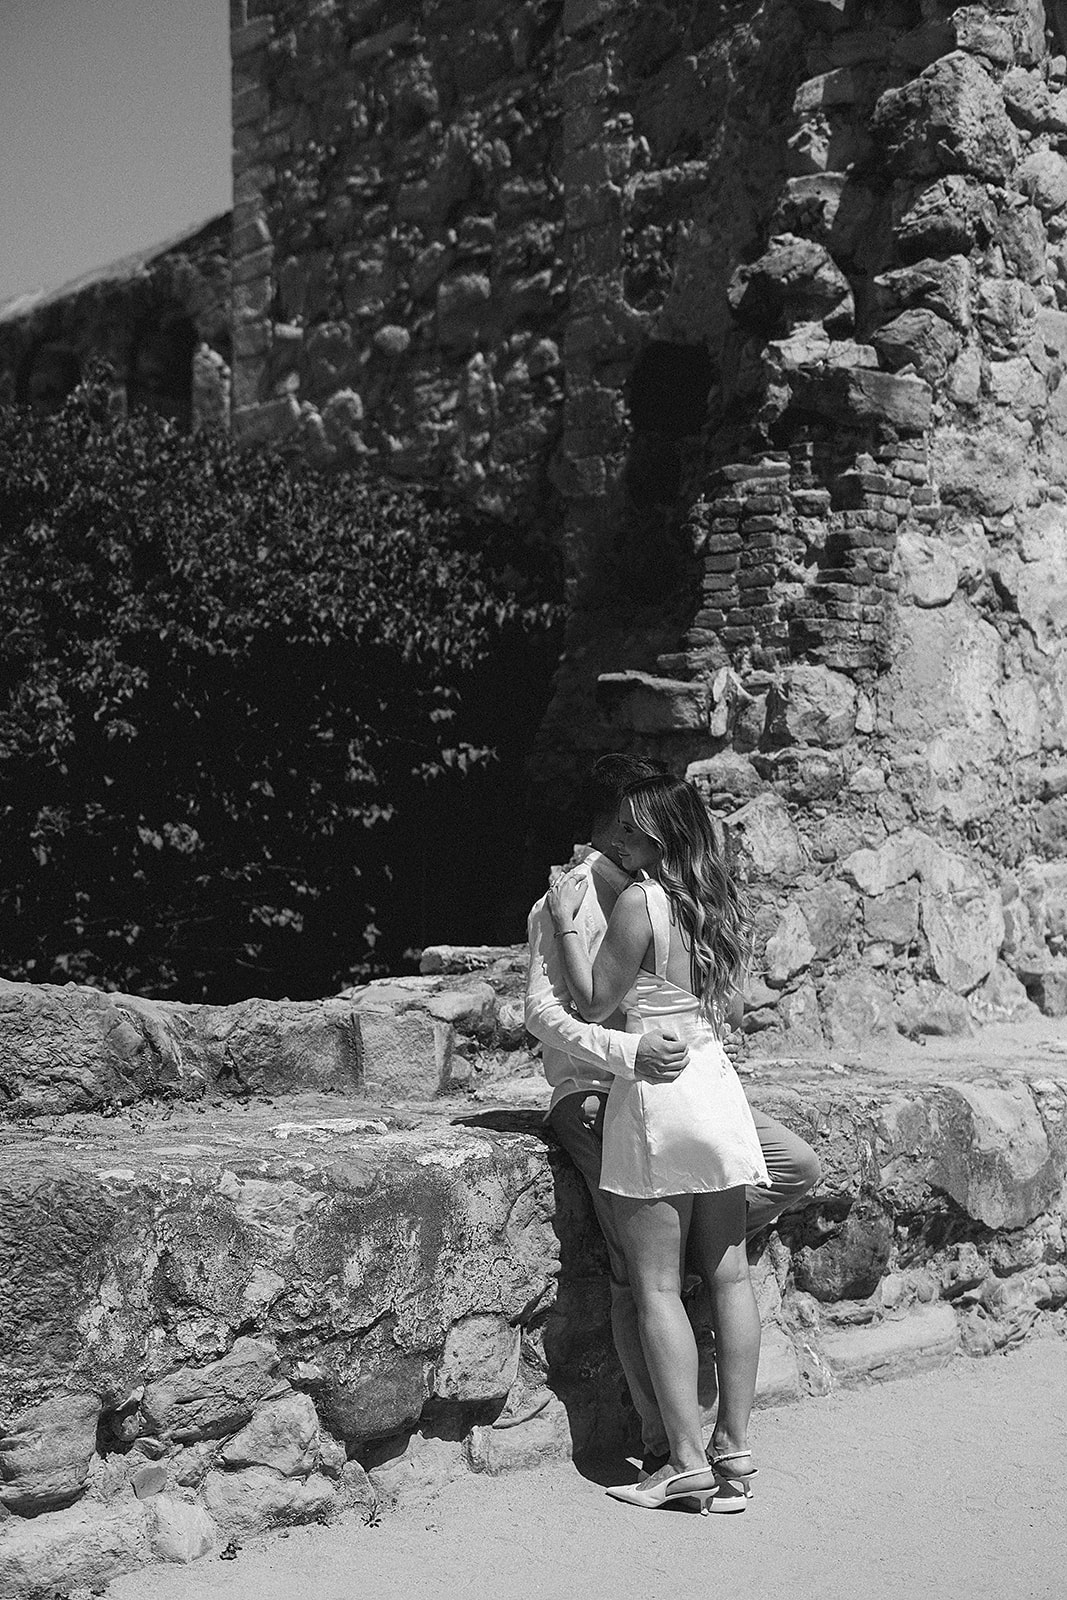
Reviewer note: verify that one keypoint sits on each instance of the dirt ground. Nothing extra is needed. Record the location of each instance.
(947, 1486)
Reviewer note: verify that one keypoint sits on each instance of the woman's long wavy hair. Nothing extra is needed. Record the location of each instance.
(708, 904)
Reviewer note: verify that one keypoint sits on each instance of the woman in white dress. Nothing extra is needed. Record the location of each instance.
(678, 1155)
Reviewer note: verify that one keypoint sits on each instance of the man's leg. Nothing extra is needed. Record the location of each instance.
(583, 1139)
(792, 1167)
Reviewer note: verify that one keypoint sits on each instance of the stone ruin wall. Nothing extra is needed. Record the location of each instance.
(748, 317)
(398, 282)
(268, 1263)
(755, 311)
(160, 319)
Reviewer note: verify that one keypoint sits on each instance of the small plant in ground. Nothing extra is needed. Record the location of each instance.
(230, 690)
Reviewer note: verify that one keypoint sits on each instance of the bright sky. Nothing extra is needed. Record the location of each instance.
(114, 130)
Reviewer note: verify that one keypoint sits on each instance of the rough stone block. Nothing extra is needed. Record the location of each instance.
(907, 854)
(211, 1401)
(1001, 997)
(929, 1009)
(729, 774)
(180, 1532)
(949, 119)
(405, 1053)
(283, 1435)
(149, 1480)
(540, 1438)
(849, 1262)
(1048, 990)
(255, 1498)
(811, 705)
(654, 705)
(797, 279)
(778, 1377)
(964, 930)
(45, 1453)
(931, 576)
(789, 950)
(893, 917)
(479, 1361)
(275, 1046)
(456, 959)
(1026, 22)
(841, 86)
(857, 1008)
(860, 395)
(74, 1048)
(918, 338)
(980, 34)
(925, 1339)
(1042, 176)
(261, 422)
(990, 1151)
(413, 1476)
(1023, 239)
(768, 838)
(944, 218)
(41, 1555)
(828, 911)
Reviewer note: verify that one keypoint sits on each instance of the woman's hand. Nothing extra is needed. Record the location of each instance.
(564, 899)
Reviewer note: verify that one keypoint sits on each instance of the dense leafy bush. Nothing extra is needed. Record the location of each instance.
(235, 696)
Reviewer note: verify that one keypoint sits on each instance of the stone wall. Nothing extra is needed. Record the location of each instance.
(868, 682)
(754, 318)
(266, 1264)
(398, 281)
(160, 318)
(757, 315)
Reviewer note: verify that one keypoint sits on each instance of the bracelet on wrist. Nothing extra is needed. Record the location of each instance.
(561, 933)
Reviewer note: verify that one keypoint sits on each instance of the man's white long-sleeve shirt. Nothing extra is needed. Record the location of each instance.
(577, 1056)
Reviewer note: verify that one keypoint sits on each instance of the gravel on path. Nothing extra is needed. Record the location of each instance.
(951, 1485)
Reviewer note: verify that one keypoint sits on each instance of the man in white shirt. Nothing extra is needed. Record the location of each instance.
(581, 1058)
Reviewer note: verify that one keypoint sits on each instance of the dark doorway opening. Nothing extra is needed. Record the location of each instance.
(160, 376)
(668, 401)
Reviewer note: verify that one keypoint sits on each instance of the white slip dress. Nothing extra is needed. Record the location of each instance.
(694, 1135)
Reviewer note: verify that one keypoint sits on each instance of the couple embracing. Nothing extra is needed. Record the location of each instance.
(636, 961)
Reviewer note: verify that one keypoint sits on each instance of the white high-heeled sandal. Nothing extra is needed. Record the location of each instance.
(699, 1484)
(735, 1479)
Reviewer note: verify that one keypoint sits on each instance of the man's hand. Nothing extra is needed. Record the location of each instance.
(661, 1057)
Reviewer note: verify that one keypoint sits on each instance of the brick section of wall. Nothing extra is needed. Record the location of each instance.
(792, 570)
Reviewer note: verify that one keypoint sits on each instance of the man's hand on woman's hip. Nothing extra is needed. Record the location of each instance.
(661, 1057)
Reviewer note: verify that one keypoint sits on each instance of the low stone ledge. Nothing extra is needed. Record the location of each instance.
(927, 1337)
(218, 1318)
(73, 1048)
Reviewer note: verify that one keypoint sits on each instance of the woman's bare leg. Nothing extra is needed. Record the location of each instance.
(654, 1236)
(717, 1244)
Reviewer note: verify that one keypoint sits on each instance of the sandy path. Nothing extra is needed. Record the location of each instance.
(948, 1486)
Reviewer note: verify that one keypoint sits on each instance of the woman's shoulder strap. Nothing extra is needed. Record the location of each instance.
(659, 915)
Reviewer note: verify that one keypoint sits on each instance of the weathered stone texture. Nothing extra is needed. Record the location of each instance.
(161, 319)
(73, 1048)
(412, 259)
(763, 326)
(262, 1315)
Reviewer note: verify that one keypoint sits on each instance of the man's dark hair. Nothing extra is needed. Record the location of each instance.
(610, 775)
